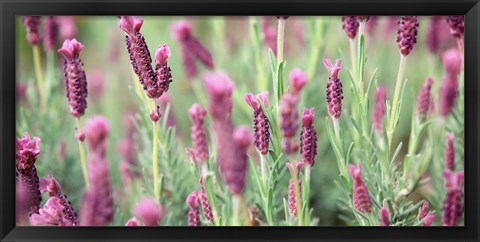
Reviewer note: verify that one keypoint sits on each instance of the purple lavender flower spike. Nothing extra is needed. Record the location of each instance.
(350, 26)
(198, 132)
(429, 219)
(457, 25)
(207, 210)
(384, 216)
(162, 70)
(289, 122)
(193, 213)
(97, 129)
(334, 91)
(407, 34)
(424, 98)
(26, 154)
(32, 24)
(379, 109)
(452, 206)
(140, 55)
(260, 121)
(432, 39)
(308, 137)
(452, 61)
(298, 79)
(361, 198)
(75, 78)
(292, 201)
(424, 211)
(219, 87)
(50, 28)
(234, 171)
(450, 152)
(149, 211)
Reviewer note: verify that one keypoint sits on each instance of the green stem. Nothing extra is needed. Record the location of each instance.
(280, 36)
(83, 160)
(156, 185)
(263, 167)
(37, 61)
(396, 96)
(353, 53)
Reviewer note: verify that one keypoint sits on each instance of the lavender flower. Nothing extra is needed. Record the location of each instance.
(97, 129)
(424, 211)
(350, 26)
(429, 219)
(452, 61)
(424, 98)
(334, 90)
(26, 154)
(269, 34)
(292, 201)
(457, 25)
(379, 109)
(308, 137)
(361, 198)
(198, 132)
(132, 222)
(149, 211)
(260, 121)
(140, 55)
(452, 207)
(75, 79)
(67, 27)
(207, 210)
(191, 47)
(50, 28)
(234, 172)
(384, 216)
(432, 39)
(298, 79)
(32, 24)
(193, 212)
(219, 87)
(450, 152)
(407, 34)
(162, 70)
(57, 210)
(289, 122)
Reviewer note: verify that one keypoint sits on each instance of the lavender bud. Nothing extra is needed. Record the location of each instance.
(75, 79)
(149, 211)
(457, 25)
(448, 94)
(207, 210)
(379, 109)
(424, 98)
(198, 132)
(289, 122)
(432, 39)
(50, 28)
(162, 70)
(424, 211)
(384, 216)
(97, 129)
(407, 34)
(350, 26)
(429, 219)
(193, 212)
(308, 137)
(260, 121)
(292, 201)
(450, 152)
(298, 79)
(32, 24)
(361, 198)
(334, 91)
(452, 207)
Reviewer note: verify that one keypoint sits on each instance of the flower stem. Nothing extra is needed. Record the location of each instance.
(396, 96)
(37, 61)
(83, 160)
(280, 36)
(306, 187)
(353, 54)
(263, 167)
(240, 213)
(156, 187)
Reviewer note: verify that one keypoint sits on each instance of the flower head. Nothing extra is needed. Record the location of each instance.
(132, 222)
(198, 133)
(424, 98)
(162, 54)
(54, 212)
(219, 87)
(149, 211)
(32, 23)
(308, 137)
(452, 207)
(361, 198)
(334, 90)
(424, 211)
(298, 79)
(50, 26)
(193, 213)
(181, 30)
(407, 34)
(292, 201)
(379, 109)
(450, 152)
(350, 26)
(384, 216)
(50, 185)
(97, 129)
(26, 152)
(131, 24)
(457, 25)
(260, 121)
(452, 61)
(71, 48)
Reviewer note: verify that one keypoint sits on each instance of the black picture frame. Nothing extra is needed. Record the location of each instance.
(10, 8)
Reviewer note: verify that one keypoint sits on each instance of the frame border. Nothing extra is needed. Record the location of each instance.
(10, 8)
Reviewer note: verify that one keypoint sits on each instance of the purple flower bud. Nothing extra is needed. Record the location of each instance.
(457, 25)
(201, 52)
(424, 211)
(407, 34)
(50, 28)
(67, 27)
(429, 219)
(384, 216)
(198, 132)
(452, 207)
(97, 205)
(260, 121)
(424, 98)
(75, 79)
(379, 109)
(361, 198)
(193, 212)
(289, 122)
(97, 129)
(452, 61)
(207, 210)
(219, 87)
(308, 137)
(334, 91)
(298, 79)
(448, 94)
(234, 170)
(149, 211)
(132, 222)
(432, 39)
(32, 23)
(26, 154)
(55, 213)
(58, 210)
(350, 26)
(292, 201)
(450, 152)
(162, 70)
